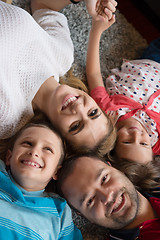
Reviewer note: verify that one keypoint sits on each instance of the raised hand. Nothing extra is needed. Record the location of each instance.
(99, 9)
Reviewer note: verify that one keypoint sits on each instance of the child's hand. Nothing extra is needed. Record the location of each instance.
(101, 25)
(99, 9)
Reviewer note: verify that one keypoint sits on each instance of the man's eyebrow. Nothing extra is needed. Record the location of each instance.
(99, 173)
(81, 128)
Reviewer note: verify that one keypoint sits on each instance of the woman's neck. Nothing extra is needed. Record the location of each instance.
(42, 98)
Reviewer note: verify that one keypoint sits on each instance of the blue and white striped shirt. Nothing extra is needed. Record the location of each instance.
(33, 215)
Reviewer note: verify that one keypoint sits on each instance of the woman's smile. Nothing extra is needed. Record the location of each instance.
(69, 99)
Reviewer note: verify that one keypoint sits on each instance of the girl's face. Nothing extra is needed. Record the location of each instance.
(35, 158)
(77, 116)
(133, 142)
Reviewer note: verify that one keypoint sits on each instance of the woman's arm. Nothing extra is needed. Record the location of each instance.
(93, 70)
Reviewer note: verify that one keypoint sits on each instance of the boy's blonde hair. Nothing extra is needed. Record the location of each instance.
(38, 120)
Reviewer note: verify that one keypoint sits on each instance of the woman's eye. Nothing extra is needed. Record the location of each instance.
(93, 112)
(126, 142)
(74, 127)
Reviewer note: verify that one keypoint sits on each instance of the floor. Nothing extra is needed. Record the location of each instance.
(141, 17)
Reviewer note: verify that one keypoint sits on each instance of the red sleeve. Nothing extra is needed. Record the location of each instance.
(101, 97)
(112, 102)
(156, 148)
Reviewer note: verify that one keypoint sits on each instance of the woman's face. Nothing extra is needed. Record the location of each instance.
(77, 116)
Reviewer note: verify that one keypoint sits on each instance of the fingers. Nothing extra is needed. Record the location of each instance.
(104, 18)
(109, 7)
(110, 4)
(106, 8)
(112, 20)
(108, 13)
(100, 9)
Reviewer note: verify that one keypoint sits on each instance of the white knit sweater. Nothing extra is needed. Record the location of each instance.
(29, 54)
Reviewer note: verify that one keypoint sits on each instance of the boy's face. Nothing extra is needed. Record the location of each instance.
(133, 141)
(35, 158)
(101, 193)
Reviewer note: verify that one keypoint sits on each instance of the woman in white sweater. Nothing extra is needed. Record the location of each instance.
(34, 52)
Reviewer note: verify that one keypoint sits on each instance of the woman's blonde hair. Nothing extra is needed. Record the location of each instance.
(73, 81)
(108, 142)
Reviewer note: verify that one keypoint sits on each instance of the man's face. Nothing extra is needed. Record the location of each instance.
(101, 193)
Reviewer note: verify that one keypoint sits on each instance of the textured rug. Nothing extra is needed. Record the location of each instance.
(118, 42)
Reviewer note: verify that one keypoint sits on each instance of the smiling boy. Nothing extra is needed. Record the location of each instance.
(27, 211)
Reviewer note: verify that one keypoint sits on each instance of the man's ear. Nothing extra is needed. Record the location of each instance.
(8, 157)
(56, 172)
